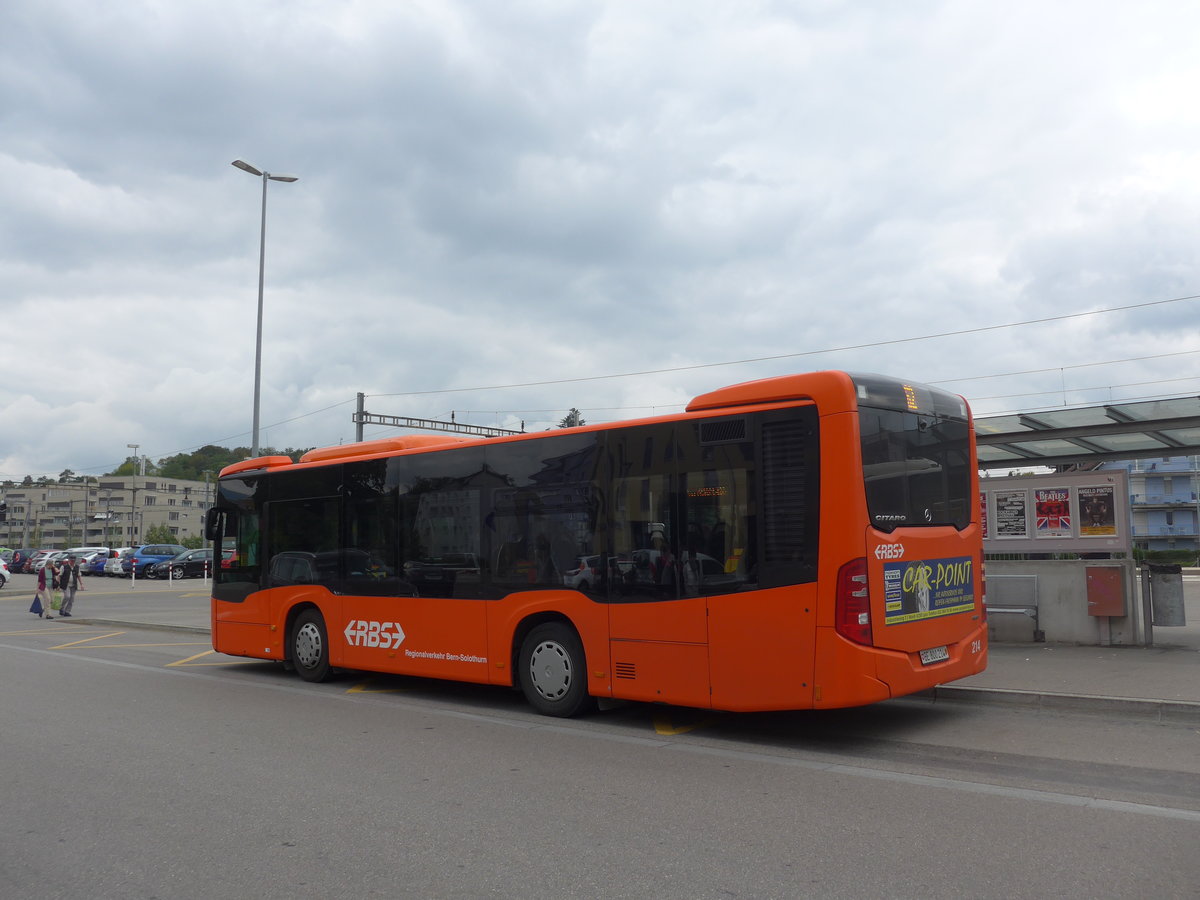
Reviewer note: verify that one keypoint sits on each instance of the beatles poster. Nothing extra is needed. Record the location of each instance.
(1053, 512)
(1011, 519)
(1097, 511)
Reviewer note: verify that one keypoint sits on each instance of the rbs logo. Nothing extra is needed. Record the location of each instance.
(889, 551)
(383, 635)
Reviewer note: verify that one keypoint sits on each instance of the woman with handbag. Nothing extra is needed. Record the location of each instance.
(45, 588)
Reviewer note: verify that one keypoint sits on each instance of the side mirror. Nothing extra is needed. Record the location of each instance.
(214, 525)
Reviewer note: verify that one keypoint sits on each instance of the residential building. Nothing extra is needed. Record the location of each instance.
(114, 511)
(1164, 500)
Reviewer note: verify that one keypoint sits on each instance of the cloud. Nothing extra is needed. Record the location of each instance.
(525, 192)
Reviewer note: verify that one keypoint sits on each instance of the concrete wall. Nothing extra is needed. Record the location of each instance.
(1059, 590)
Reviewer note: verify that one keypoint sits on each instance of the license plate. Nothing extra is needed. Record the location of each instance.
(934, 655)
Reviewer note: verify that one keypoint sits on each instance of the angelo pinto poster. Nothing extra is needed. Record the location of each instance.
(926, 589)
(1097, 511)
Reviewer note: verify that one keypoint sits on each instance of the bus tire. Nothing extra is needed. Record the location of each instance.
(310, 646)
(553, 672)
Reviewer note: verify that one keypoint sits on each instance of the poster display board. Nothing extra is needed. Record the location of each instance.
(1083, 512)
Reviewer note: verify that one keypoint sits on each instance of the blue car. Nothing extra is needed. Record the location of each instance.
(96, 566)
(141, 559)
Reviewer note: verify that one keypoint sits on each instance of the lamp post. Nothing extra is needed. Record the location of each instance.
(262, 256)
(137, 462)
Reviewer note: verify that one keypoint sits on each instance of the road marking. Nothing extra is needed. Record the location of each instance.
(98, 637)
(188, 663)
(171, 644)
(65, 629)
(314, 694)
(361, 688)
(662, 725)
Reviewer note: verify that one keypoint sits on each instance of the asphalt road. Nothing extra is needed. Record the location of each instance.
(137, 763)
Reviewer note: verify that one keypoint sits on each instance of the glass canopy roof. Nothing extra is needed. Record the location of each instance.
(1149, 428)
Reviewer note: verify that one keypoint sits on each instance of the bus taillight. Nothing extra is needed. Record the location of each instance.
(852, 608)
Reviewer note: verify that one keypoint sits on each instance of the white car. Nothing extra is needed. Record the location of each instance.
(4, 573)
(40, 563)
(112, 568)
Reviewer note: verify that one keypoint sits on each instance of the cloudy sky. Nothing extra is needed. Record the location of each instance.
(505, 210)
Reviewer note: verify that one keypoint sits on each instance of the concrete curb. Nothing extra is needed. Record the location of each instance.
(1172, 712)
(151, 626)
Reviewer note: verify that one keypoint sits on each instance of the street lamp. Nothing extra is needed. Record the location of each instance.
(262, 256)
(139, 463)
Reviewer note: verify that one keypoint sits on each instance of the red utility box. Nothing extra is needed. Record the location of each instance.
(1105, 591)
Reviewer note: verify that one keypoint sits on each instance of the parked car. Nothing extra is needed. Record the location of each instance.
(20, 558)
(113, 566)
(583, 574)
(50, 556)
(31, 566)
(140, 560)
(188, 564)
(94, 563)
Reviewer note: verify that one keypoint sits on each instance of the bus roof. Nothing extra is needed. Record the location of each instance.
(834, 390)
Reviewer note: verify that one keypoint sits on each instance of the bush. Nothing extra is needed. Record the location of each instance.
(1166, 557)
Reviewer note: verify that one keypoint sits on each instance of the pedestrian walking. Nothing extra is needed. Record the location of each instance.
(45, 588)
(69, 581)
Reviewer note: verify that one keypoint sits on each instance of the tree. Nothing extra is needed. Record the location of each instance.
(65, 476)
(159, 534)
(572, 419)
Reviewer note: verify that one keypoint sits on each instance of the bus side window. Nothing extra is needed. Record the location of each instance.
(304, 539)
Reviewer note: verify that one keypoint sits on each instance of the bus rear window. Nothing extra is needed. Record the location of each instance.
(916, 468)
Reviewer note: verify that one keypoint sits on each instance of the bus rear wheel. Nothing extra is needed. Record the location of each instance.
(310, 646)
(553, 672)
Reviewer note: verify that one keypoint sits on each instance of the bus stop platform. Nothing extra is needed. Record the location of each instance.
(1158, 682)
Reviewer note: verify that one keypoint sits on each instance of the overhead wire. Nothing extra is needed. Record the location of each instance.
(775, 357)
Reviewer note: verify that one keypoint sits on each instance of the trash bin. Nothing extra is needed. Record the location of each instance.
(1166, 595)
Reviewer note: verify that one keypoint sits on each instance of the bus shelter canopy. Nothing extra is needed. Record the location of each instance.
(1093, 434)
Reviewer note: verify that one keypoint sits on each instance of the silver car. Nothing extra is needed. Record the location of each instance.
(112, 568)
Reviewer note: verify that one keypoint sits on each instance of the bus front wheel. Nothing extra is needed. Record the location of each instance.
(310, 646)
(553, 672)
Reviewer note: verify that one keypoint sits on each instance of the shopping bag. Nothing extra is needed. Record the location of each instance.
(56, 600)
(36, 607)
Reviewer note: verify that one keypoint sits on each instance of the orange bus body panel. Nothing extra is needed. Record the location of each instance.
(762, 648)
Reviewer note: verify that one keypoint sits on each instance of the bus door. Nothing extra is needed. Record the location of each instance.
(658, 633)
(413, 569)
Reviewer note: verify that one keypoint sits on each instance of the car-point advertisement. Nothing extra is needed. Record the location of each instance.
(926, 589)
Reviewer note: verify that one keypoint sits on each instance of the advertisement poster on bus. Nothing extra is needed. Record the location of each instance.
(1097, 511)
(1011, 519)
(1053, 512)
(926, 589)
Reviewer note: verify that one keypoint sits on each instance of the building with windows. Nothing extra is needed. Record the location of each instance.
(1164, 500)
(114, 511)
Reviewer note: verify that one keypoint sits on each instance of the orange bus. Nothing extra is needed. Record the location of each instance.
(805, 541)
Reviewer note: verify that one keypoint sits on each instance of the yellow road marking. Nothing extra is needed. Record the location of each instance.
(188, 662)
(98, 637)
(62, 629)
(175, 644)
(361, 688)
(664, 727)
